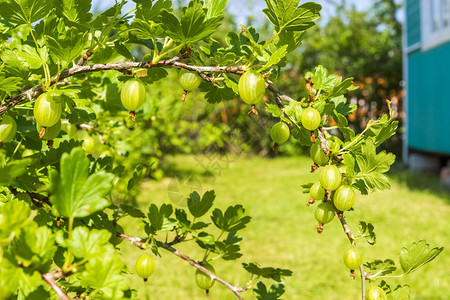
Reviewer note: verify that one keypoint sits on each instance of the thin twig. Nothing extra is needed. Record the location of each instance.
(167, 246)
(35, 91)
(50, 279)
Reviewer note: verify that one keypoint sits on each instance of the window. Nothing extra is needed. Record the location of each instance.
(435, 22)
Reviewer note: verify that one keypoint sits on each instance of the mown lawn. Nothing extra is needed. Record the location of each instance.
(283, 234)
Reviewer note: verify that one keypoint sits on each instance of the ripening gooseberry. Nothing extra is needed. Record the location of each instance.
(189, 80)
(203, 280)
(280, 133)
(47, 111)
(330, 177)
(252, 87)
(311, 118)
(8, 129)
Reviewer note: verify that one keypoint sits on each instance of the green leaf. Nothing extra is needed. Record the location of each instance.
(276, 274)
(13, 216)
(229, 248)
(380, 268)
(75, 193)
(104, 273)
(321, 79)
(199, 207)
(233, 219)
(274, 293)
(87, 243)
(342, 87)
(68, 47)
(276, 57)
(122, 50)
(13, 170)
(132, 211)
(35, 247)
(215, 94)
(401, 292)
(417, 255)
(215, 7)
(25, 11)
(149, 10)
(287, 15)
(75, 11)
(146, 29)
(154, 74)
(193, 26)
(160, 218)
(366, 230)
(15, 64)
(273, 109)
(10, 84)
(372, 166)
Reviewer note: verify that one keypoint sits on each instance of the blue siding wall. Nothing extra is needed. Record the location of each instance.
(429, 100)
(413, 21)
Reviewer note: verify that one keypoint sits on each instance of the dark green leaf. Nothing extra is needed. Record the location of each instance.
(380, 268)
(25, 11)
(366, 230)
(199, 207)
(233, 219)
(274, 293)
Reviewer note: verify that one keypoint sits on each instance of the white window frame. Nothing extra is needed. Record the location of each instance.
(431, 39)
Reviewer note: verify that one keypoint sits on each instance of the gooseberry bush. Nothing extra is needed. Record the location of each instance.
(59, 228)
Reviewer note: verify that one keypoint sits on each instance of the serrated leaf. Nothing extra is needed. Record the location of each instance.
(401, 292)
(132, 211)
(198, 207)
(10, 84)
(160, 218)
(86, 243)
(104, 273)
(193, 25)
(287, 15)
(380, 268)
(15, 65)
(68, 47)
(13, 170)
(76, 11)
(146, 29)
(215, 7)
(342, 87)
(13, 216)
(75, 193)
(274, 293)
(273, 109)
(149, 10)
(321, 79)
(417, 255)
(275, 58)
(35, 247)
(366, 230)
(25, 11)
(372, 166)
(122, 50)
(232, 220)
(276, 274)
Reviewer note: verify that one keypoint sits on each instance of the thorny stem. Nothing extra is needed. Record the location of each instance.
(168, 246)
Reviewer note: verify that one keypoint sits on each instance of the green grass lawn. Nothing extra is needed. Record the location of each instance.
(282, 232)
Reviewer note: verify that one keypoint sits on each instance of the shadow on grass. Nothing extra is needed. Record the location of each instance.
(420, 181)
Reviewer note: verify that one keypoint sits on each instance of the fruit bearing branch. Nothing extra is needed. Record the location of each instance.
(35, 91)
(167, 246)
